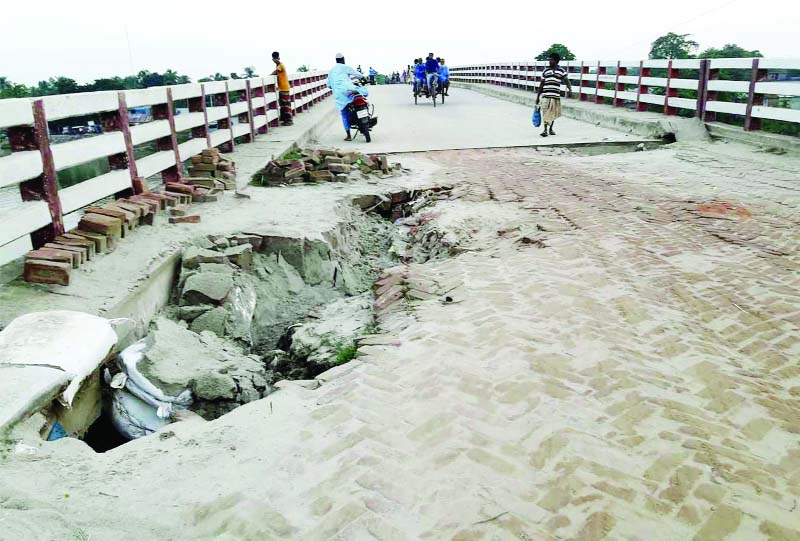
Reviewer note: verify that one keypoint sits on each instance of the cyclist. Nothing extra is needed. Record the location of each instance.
(431, 72)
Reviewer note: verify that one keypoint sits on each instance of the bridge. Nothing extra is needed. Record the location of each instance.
(587, 336)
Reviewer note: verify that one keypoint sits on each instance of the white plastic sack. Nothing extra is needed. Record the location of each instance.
(139, 407)
(74, 342)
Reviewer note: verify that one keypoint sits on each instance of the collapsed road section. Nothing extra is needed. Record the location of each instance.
(249, 309)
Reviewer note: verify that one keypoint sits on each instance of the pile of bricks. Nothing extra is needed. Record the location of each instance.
(323, 166)
(211, 170)
(99, 231)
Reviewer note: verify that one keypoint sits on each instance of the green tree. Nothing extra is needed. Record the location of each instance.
(4, 83)
(558, 48)
(14, 90)
(250, 71)
(303, 69)
(730, 50)
(673, 46)
(106, 83)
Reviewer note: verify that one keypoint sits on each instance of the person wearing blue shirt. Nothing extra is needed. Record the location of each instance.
(340, 81)
(431, 69)
(372, 74)
(444, 77)
(419, 75)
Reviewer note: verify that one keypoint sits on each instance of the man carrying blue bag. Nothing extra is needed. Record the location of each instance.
(550, 94)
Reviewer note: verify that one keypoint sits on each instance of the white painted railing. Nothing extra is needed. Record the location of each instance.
(591, 81)
(241, 109)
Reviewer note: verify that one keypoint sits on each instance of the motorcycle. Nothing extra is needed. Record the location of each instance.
(361, 115)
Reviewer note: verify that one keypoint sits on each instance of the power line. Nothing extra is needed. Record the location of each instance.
(691, 20)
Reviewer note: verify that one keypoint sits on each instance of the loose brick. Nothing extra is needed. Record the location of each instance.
(51, 254)
(71, 239)
(101, 242)
(46, 272)
(78, 253)
(320, 176)
(194, 219)
(205, 166)
(99, 223)
(339, 168)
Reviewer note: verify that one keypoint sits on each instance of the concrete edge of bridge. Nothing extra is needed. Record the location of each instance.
(652, 125)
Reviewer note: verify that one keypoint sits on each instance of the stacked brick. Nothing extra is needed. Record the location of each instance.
(209, 169)
(323, 166)
(100, 229)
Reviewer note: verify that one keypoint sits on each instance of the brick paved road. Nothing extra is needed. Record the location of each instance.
(618, 362)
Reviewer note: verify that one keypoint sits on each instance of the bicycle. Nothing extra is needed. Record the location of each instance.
(432, 85)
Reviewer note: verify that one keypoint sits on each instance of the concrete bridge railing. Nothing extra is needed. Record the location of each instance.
(629, 83)
(240, 108)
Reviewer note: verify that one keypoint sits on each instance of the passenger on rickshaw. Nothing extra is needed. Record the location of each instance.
(419, 76)
(444, 77)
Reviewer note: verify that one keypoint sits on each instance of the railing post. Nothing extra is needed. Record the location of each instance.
(601, 70)
(272, 90)
(670, 92)
(198, 105)
(225, 123)
(164, 111)
(250, 112)
(642, 88)
(45, 186)
(711, 95)
(584, 82)
(702, 88)
(258, 92)
(618, 102)
(756, 75)
(118, 121)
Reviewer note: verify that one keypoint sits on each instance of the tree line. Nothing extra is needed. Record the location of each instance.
(143, 79)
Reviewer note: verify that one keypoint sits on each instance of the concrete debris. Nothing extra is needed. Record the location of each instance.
(218, 374)
(206, 287)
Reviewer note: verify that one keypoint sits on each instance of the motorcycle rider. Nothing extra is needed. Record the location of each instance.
(431, 70)
(340, 82)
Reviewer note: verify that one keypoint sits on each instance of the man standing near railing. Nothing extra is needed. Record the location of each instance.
(550, 93)
(284, 90)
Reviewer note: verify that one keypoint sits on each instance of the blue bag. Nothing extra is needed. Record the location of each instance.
(537, 117)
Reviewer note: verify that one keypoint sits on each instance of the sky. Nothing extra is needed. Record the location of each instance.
(87, 39)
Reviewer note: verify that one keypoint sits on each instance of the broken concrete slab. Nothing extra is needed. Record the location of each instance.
(206, 287)
(193, 256)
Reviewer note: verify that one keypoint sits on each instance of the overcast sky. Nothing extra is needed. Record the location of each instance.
(86, 39)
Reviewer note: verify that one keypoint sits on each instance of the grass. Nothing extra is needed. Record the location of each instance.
(346, 353)
(293, 154)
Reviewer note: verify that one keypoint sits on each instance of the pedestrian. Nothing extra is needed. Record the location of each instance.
(550, 93)
(284, 90)
(340, 82)
(372, 74)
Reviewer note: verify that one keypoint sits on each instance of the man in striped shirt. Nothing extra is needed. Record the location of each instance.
(550, 93)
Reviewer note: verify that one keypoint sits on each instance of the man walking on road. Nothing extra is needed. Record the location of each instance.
(550, 93)
(284, 90)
